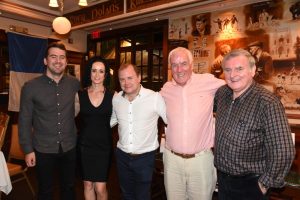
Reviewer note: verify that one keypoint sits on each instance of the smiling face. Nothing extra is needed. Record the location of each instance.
(238, 74)
(181, 67)
(56, 62)
(129, 81)
(97, 73)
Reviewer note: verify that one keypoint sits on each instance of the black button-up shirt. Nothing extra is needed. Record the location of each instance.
(46, 118)
(253, 135)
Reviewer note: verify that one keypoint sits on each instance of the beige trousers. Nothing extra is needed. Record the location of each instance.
(192, 178)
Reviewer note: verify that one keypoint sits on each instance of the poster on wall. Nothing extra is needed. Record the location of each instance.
(269, 30)
(200, 42)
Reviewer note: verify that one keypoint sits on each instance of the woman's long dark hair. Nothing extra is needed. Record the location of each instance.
(86, 82)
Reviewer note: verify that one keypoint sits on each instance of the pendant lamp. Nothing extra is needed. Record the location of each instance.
(61, 25)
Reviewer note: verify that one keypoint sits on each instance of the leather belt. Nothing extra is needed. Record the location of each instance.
(134, 154)
(137, 154)
(183, 155)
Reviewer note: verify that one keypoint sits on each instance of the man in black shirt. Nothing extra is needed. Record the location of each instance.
(46, 124)
(253, 143)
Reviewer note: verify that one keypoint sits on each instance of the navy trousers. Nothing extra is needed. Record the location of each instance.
(135, 174)
(239, 187)
(47, 164)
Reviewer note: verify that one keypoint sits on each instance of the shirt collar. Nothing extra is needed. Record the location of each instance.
(51, 81)
(247, 92)
(140, 93)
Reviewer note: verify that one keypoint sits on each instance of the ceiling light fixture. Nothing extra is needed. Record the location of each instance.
(61, 25)
(82, 3)
(53, 3)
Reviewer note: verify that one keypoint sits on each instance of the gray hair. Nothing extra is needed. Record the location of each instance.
(183, 50)
(239, 52)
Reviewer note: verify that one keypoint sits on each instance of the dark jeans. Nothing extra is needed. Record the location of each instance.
(46, 164)
(135, 174)
(239, 187)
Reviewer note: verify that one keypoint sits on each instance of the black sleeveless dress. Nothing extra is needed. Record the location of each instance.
(95, 138)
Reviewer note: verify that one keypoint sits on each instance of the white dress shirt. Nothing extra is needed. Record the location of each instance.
(137, 120)
(5, 183)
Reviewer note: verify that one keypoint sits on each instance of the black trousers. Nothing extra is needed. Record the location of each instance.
(47, 164)
(135, 174)
(239, 187)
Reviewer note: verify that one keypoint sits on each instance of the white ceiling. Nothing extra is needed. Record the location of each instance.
(38, 11)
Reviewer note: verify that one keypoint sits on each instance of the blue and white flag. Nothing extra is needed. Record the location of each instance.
(26, 56)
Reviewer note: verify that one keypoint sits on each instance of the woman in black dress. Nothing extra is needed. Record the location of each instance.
(95, 139)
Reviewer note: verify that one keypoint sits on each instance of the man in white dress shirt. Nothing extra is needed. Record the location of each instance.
(136, 110)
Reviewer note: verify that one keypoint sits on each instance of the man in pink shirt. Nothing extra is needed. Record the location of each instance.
(189, 170)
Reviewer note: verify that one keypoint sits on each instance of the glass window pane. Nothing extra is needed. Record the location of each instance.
(122, 58)
(138, 58)
(125, 42)
(155, 76)
(128, 57)
(161, 73)
(108, 49)
(98, 49)
(144, 73)
(140, 68)
(156, 52)
(155, 59)
(142, 39)
(145, 57)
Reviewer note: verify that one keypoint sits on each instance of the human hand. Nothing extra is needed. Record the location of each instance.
(30, 159)
(262, 188)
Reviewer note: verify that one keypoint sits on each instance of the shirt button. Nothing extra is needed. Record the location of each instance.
(58, 113)
(58, 104)
(57, 94)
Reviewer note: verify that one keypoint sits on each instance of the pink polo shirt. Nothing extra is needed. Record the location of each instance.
(190, 113)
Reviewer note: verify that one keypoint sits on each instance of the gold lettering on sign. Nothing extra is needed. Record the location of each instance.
(99, 11)
(136, 3)
(77, 19)
(141, 4)
(103, 10)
